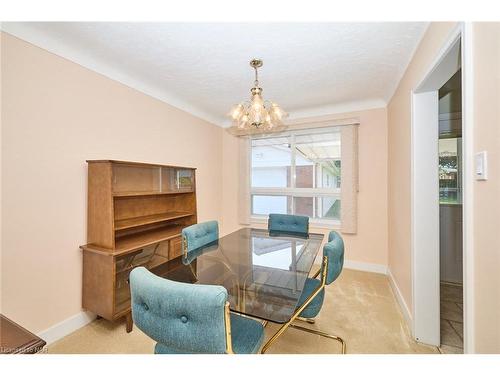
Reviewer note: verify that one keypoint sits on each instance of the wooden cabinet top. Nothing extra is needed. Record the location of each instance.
(138, 163)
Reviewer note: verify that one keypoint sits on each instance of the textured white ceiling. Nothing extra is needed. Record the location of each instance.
(309, 68)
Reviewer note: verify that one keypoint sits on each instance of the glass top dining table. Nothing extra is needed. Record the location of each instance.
(264, 273)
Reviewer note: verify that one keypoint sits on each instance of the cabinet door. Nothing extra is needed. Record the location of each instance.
(177, 180)
(150, 256)
(136, 179)
(175, 248)
(185, 179)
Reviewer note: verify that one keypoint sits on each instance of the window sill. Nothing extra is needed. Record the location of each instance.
(313, 223)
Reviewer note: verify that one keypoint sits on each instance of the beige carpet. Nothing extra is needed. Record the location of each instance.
(360, 307)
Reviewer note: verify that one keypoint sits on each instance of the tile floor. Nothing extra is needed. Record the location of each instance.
(452, 312)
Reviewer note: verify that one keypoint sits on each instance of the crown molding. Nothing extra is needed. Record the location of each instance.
(75, 55)
(337, 108)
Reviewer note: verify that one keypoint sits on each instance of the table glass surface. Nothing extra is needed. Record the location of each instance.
(263, 273)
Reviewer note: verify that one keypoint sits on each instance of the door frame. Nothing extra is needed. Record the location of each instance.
(425, 194)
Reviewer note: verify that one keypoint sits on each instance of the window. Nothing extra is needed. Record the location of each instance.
(298, 173)
(450, 178)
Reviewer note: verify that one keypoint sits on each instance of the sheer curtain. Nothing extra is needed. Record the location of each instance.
(244, 181)
(349, 178)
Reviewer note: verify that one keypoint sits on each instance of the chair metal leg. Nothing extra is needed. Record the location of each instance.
(320, 333)
(296, 314)
(316, 274)
(275, 336)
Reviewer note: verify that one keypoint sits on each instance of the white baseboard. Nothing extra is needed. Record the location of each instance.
(401, 301)
(66, 327)
(367, 267)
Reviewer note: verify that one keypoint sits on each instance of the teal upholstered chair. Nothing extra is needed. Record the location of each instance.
(199, 235)
(190, 318)
(289, 224)
(313, 294)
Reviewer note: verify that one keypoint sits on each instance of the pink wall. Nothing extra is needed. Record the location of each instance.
(399, 154)
(486, 238)
(486, 201)
(55, 115)
(369, 245)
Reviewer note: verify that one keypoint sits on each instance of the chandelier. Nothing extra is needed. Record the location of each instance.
(256, 115)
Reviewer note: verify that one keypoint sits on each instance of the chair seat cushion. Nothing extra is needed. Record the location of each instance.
(247, 334)
(314, 307)
(163, 349)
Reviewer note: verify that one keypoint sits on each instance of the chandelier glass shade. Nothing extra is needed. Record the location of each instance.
(256, 115)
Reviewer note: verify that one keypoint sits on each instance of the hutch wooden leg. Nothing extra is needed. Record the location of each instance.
(129, 322)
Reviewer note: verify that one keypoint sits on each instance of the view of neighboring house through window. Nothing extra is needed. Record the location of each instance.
(450, 179)
(297, 174)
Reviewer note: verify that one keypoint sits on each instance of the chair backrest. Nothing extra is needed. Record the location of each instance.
(334, 250)
(198, 235)
(187, 318)
(293, 224)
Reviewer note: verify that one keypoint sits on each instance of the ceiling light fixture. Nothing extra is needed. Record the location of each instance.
(256, 115)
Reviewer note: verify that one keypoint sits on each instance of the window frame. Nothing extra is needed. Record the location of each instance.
(293, 191)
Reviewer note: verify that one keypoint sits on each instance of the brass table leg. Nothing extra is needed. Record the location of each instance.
(320, 333)
(276, 335)
(297, 312)
(296, 315)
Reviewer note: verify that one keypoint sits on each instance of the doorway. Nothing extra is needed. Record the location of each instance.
(450, 215)
(432, 190)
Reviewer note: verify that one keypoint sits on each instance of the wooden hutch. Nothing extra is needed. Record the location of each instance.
(136, 212)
